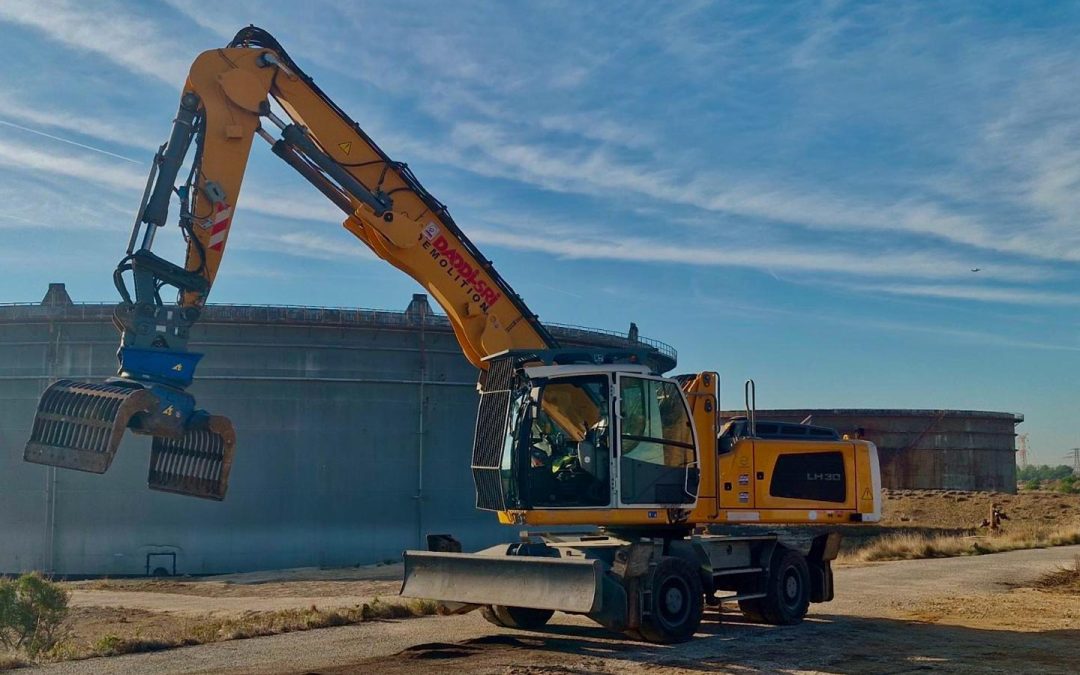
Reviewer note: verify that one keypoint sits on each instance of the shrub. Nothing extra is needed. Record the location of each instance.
(32, 613)
(1062, 580)
(1044, 472)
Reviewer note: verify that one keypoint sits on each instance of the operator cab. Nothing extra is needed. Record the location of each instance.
(592, 436)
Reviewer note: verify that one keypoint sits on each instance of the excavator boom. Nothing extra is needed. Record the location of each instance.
(230, 97)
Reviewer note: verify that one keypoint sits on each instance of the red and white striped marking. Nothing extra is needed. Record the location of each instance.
(219, 226)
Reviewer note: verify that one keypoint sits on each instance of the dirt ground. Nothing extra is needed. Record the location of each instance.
(156, 608)
(953, 509)
(1017, 629)
(965, 615)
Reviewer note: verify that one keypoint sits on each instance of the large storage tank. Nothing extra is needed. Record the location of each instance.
(354, 434)
(926, 449)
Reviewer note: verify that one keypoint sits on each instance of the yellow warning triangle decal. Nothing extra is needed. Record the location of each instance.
(866, 494)
(345, 147)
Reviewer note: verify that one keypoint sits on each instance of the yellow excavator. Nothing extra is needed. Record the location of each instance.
(564, 436)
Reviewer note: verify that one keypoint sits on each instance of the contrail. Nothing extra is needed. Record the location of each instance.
(69, 142)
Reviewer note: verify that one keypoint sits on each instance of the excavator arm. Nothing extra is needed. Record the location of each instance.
(229, 99)
(226, 103)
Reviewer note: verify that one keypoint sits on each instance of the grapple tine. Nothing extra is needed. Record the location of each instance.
(79, 425)
(198, 463)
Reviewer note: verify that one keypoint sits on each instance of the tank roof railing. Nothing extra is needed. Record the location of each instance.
(311, 314)
(565, 328)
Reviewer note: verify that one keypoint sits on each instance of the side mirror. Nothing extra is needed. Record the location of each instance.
(725, 444)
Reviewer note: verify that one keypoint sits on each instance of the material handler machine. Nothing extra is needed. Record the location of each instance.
(564, 436)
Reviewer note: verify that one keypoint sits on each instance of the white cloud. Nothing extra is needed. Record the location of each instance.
(302, 244)
(598, 174)
(112, 175)
(68, 141)
(131, 180)
(206, 18)
(1019, 296)
(282, 204)
(616, 161)
(614, 246)
(109, 30)
(598, 127)
(45, 115)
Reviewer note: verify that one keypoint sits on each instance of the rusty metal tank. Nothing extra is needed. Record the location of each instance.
(926, 449)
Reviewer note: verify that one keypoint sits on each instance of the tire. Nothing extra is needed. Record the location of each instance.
(752, 610)
(787, 591)
(488, 612)
(673, 613)
(522, 618)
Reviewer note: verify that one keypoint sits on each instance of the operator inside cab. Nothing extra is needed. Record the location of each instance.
(570, 448)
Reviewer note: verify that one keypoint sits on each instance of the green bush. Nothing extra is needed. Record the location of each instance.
(32, 613)
(1044, 472)
(1069, 486)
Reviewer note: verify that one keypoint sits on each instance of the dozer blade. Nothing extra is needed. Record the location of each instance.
(196, 464)
(517, 581)
(79, 425)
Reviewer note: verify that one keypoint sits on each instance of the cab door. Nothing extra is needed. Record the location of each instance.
(657, 462)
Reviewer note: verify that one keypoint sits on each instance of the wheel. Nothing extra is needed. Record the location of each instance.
(787, 591)
(488, 612)
(751, 609)
(523, 618)
(673, 610)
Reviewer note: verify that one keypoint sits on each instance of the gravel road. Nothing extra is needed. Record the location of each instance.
(868, 628)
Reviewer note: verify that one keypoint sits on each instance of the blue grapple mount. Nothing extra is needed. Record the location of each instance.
(79, 425)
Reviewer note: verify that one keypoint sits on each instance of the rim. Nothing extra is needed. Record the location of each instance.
(674, 595)
(792, 587)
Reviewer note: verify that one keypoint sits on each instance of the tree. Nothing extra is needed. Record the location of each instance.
(1060, 472)
(1069, 485)
(1043, 472)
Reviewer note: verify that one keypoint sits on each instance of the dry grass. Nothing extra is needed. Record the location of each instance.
(11, 661)
(257, 624)
(1062, 580)
(912, 546)
(248, 625)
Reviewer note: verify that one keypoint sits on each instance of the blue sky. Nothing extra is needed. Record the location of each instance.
(792, 192)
